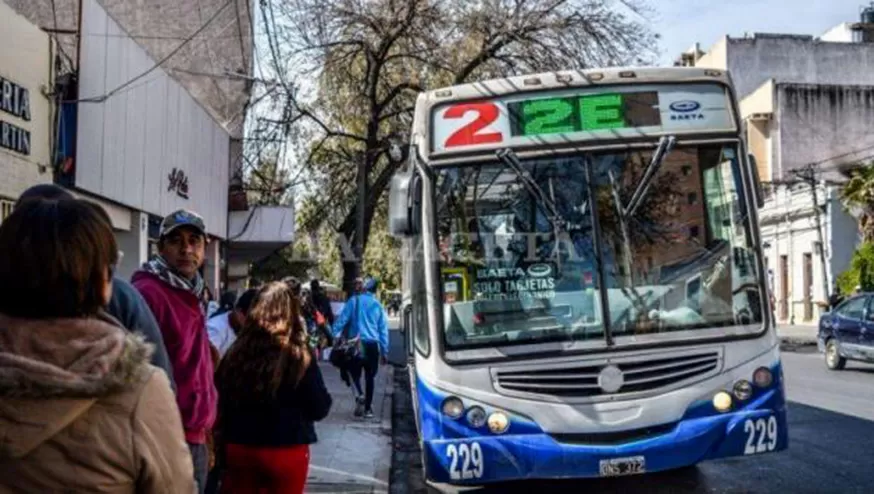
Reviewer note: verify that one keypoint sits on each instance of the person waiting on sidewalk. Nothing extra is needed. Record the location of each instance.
(271, 391)
(321, 301)
(81, 408)
(224, 328)
(126, 304)
(173, 288)
(365, 318)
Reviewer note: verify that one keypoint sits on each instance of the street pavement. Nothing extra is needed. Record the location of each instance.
(352, 455)
(831, 428)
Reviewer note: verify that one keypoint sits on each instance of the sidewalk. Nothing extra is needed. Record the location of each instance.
(799, 334)
(352, 455)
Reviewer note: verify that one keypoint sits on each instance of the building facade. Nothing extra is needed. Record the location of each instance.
(807, 105)
(147, 146)
(156, 98)
(26, 109)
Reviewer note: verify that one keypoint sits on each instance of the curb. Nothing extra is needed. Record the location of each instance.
(405, 475)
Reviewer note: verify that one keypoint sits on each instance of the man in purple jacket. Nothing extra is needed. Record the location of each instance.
(172, 287)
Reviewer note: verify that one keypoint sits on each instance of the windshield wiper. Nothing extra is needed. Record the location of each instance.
(508, 157)
(626, 212)
(666, 144)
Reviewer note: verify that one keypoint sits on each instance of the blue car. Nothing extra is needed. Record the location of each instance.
(847, 332)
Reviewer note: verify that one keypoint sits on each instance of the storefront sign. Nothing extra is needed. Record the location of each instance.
(178, 182)
(14, 100)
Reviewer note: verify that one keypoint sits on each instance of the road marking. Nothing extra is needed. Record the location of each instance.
(342, 473)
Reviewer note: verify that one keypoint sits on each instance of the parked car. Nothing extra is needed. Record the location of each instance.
(847, 332)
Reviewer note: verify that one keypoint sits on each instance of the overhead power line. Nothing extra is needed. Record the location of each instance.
(105, 96)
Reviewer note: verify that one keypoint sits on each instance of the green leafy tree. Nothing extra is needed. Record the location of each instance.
(860, 272)
(369, 60)
(858, 195)
(296, 260)
(268, 183)
(382, 257)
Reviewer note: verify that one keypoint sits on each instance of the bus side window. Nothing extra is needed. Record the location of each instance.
(420, 327)
(420, 337)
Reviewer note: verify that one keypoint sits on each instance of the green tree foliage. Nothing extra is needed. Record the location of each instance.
(858, 194)
(369, 60)
(296, 260)
(861, 271)
(268, 183)
(382, 257)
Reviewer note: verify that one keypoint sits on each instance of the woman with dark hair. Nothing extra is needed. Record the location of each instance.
(82, 408)
(271, 392)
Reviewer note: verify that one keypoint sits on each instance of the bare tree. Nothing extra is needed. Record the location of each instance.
(351, 70)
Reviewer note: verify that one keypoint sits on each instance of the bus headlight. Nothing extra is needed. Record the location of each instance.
(763, 377)
(722, 401)
(499, 422)
(743, 390)
(476, 417)
(452, 407)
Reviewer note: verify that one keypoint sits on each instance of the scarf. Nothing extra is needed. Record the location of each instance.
(159, 267)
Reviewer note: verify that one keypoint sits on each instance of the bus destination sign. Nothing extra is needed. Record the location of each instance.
(587, 112)
(582, 114)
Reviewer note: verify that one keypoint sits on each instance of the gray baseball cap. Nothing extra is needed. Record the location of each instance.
(180, 218)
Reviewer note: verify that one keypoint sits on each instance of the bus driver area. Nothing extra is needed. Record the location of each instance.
(468, 442)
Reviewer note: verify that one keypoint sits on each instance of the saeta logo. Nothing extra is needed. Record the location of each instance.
(539, 270)
(686, 106)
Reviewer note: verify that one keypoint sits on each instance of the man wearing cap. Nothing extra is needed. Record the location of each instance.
(173, 288)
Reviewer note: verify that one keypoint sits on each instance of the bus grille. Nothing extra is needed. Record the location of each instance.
(639, 375)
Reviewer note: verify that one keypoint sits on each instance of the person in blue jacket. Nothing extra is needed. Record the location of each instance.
(365, 316)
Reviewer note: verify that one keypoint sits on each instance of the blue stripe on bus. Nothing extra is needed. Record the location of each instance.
(525, 451)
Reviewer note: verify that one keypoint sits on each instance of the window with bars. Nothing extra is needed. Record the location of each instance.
(6, 207)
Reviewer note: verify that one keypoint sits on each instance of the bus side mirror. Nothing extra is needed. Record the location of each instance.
(400, 210)
(757, 182)
(405, 205)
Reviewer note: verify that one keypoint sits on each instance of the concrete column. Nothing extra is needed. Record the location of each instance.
(134, 244)
(212, 267)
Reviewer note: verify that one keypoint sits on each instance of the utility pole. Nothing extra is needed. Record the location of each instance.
(808, 174)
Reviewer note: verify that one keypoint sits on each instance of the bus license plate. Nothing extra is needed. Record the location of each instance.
(616, 467)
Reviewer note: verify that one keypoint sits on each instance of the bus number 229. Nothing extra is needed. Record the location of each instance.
(466, 461)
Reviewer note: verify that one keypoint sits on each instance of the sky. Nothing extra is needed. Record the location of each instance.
(683, 22)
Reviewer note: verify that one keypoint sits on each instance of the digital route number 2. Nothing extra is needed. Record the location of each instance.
(471, 134)
(465, 461)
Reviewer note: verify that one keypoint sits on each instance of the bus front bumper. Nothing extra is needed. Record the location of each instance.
(488, 459)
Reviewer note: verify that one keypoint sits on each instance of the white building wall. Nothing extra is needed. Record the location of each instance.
(130, 142)
(824, 124)
(839, 34)
(843, 234)
(790, 58)
(789, 229)
(26, 60)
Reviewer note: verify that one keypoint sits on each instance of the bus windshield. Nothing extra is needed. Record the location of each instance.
(681, 259)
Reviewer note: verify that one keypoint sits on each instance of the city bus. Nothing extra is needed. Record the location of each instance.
(582, 287)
